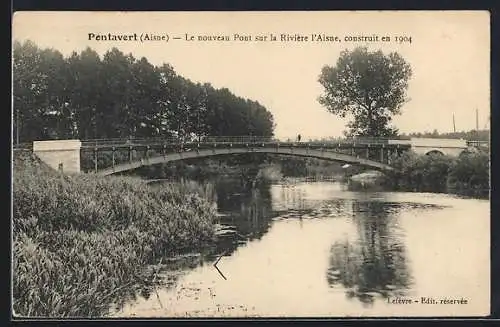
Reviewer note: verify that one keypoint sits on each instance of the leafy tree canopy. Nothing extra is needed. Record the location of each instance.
(87, 96)
(368, 86)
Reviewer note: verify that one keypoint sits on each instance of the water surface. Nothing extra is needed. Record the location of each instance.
(317, 249)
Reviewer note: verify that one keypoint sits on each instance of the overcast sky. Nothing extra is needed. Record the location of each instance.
(449, 55)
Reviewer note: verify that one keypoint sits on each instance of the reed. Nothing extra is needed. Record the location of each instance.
(77, 239)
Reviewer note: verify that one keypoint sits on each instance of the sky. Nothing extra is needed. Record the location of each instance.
(449, 54)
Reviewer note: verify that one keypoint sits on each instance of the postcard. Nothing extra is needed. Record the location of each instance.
(299, 164)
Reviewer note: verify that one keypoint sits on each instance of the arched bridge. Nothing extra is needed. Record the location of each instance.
(109, 156)
(371, 152)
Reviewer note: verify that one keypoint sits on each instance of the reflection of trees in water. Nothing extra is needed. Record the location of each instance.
(255, 213)
(290, 201)
(375, 263)
(292, 196)
(247, 213)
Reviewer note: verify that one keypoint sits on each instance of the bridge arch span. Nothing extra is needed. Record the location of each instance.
(300, 152)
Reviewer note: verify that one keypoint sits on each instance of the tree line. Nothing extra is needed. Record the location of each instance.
(478, 135)
(85, 96)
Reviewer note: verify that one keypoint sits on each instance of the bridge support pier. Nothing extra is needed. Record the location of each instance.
(60, 155)
(451, 147)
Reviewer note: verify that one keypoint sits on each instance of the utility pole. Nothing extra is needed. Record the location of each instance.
(477, 120)
(477, 124)
(17, 127)
(454, 129)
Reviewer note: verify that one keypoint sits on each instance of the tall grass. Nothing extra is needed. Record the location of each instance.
(78, 239)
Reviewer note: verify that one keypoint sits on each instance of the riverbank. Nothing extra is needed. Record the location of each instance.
(466, 175)
(78, 240)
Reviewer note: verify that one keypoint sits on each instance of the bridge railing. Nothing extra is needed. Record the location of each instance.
(175, 140)
(236, 139)
(226, 139)
(22, 146)
(350, 140)
(476, 143)
(122, 141)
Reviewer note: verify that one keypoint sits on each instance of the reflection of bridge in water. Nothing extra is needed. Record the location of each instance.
(109, 156)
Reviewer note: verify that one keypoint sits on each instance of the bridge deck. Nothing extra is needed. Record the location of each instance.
(122, 154)
(239, 142)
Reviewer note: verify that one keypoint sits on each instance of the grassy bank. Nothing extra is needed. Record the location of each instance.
(77, 240)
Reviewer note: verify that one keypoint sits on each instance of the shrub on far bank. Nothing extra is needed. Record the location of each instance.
(423, 173)
(469, 174)
(439, 173)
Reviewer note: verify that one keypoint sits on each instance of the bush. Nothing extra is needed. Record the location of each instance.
(423, 173)
(468, 174)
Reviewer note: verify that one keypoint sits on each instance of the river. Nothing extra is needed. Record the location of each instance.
(319, 250)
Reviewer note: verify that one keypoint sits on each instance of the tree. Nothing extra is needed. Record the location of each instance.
(40, 93)
(114, 119)
(145, 109)
(369, 86)
(166, 103)
(84, 96)
(86, 86)
(29, 85)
